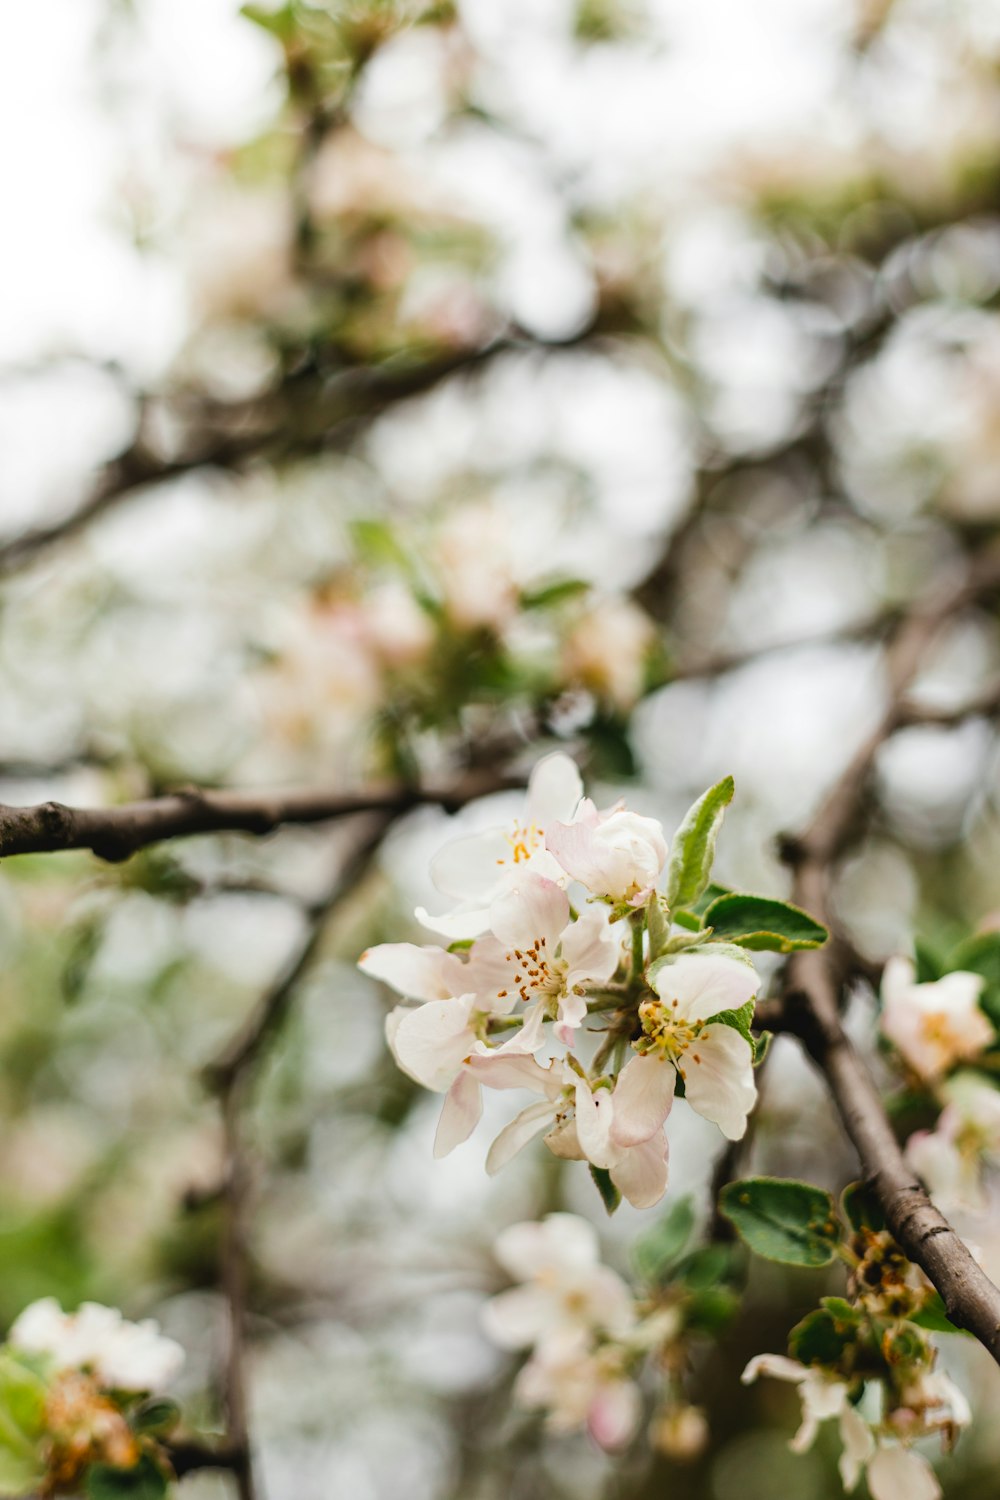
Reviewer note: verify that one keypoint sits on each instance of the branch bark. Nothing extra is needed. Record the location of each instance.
(116, 833)
(816, 982)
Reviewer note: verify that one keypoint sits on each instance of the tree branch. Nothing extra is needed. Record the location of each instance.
(816, 980)
(116, 833)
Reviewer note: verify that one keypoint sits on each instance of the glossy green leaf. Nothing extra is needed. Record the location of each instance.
(783, 1220)
(610, 1196)
(693, 849)
(759, 923)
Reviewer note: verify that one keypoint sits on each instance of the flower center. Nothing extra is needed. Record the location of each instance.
(665, 1032)
(524, 839)
(535, 971)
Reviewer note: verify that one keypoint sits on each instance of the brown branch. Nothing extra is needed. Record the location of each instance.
(231, 1077)
(817, 979)
(116, 833)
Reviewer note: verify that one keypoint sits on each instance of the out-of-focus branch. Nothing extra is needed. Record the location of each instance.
(231, 1077)
(310, 412)
(816, 982)
(116, 833)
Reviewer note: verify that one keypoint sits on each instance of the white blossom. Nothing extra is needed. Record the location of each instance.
(616, 854)
(121, 1355)
(950, 1158)
(935, 1025)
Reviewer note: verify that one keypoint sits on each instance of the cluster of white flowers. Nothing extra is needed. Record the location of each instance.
(930, 1403)
(936, 1027)
(550, 915)
(121, 1356)
(586, 1333)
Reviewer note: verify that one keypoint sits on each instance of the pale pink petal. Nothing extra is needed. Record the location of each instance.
(718, 1078)
(900, 1474)
(572, 1013)
(497, 1069)
(457, 926)
(515, 1136)
(432, 1042)
(536, 909)
(460, 1113)
(643, 1096)
(590, 948)
(898, 978)
(594, 1114)
(640, 1173)
(614, 1414)
(427, 973)
(554, 790)
(530, 1036)
(703, 985)
(778, 1366)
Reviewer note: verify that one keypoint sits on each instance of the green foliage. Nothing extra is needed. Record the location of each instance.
(610, 1196)
(657, 925)
(760, 923)
(822, 1336)
(155, 1417)
(791, 1222)
(657, 1252)
(694, 842)
(980, 954)
(740, 1020)
(22, 1426)
(144, 1481)
(935, 1319)
(551, 595)
(861, 1208)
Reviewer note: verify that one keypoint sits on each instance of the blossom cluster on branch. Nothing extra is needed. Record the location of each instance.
(571, 974)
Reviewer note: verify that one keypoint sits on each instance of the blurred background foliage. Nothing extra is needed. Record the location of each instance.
(395, 388)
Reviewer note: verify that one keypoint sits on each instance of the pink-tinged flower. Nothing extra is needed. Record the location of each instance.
(581, 1388)
(949, 1160)
(607, 651)
(479, 868)
(616, 854)
(935, 1025)
(639, 1173)
(121, 1355)
(566, 1289)
(713, 1058)
(550, 961)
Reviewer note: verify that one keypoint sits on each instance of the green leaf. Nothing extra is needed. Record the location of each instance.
(694, 845)
(22, 1398)
(761, 1047)
(710, 1309)
(981, 955)
(783, 1220)
(820, 1338)
(657, 925)
(20, 1473)
(144, 1481)
(861, 1208)
(610, 1196)
(657, 1252)
(928, 962)
(932, 1316)
(157, 1416)
(280, 22)
(757, 922)
(740, 1020)
(550, 595)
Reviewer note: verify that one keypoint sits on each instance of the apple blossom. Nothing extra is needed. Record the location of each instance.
(949, 1159)
(122, 1355)
(580, 1388)
(607, 650)
(616, 854)
(935, 1025)
(680, 1035)
(478, 868)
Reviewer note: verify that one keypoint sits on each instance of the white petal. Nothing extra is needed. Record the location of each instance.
(776, 1365)
(572, 1014)
(560, 1242)
(457, 926)
(590, 948)
(428, 973)
(554, 790)
(432, 1042)
(537, 908)
(467, 868)
(518, 1318)
(859, 1445)
(718, 1078)
(640, 1174)
(594, 1113)
(899, 1474)
(513, 1137)
(463, 1105)
(497, 1069)
(531, 1035)
(642, 1098)
(899, 977)
(703, 985)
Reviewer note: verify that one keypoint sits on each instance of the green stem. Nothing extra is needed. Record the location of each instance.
(638, 957)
